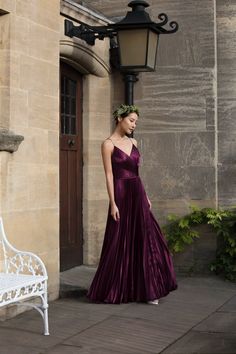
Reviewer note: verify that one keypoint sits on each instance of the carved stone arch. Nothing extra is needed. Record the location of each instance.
(83, 59)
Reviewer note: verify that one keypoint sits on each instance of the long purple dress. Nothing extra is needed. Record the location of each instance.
(135, 263)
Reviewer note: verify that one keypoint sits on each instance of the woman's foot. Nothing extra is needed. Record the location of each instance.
(153, 302)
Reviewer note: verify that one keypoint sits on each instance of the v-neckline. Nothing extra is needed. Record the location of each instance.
(124, 151)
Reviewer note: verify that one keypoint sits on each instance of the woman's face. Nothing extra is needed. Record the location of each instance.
(128, 124)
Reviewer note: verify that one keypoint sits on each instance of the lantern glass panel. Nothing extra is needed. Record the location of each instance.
(152, 49)
(133, 47)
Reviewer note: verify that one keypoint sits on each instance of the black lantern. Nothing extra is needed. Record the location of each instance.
(137, 38)
(134, 41)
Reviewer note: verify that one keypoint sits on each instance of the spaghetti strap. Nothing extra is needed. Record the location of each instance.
(111, 140)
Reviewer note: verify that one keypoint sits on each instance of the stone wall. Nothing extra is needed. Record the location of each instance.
(226, 50)
(29, 85)
(187, 127)
(177, 127)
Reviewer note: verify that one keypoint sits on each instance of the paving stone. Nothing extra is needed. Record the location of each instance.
(230, 305)
(203, 343)
(129, 335)
(218, 322)
(17, 349)
(209, 282)
(71, 349)
(66, 317)
(78, 326)
(26, 339)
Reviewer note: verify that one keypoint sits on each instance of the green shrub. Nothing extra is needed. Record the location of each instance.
(179, 233)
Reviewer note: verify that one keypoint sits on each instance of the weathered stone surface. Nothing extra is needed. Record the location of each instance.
(182, 149)
(173, 181)
(219, 322)
(29, 68)
(226, 21)
(176, 99)
(197, 257)
(227, 185)
(227, 114)
(227, 148)
(9, 141)
(202, 343)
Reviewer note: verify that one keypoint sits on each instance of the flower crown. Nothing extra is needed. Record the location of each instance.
(125, 110)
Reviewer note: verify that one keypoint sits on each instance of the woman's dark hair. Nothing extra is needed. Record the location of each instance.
(124, 110)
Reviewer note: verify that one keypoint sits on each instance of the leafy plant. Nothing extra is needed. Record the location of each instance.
(179, 232)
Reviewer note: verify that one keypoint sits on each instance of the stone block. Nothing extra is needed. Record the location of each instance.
(164, 207)
(8, 5)
(20, 31)
(94, 220)
(197, 257)
(226, 21)
(4, 30)
(176, 99)
(227, 185)
(44, 43)
(92, 154)
(219, 322)
(202, 343)
(39, 76)
(53, 148)
(227, 148)
(4, 107)
(35, 147)
(175, 182)
(43, 111)
(182, 149)
(15, 194)
(42, 12)
(19, 108)
(227, 83)
(4, 68)
(43, 187)
(94, 183)
(15, 71)
(9, 141)
(226, 114)
(229, 306)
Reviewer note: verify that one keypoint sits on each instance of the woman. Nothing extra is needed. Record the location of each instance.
(135, 262)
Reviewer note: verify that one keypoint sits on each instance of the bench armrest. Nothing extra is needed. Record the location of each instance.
(20, 262)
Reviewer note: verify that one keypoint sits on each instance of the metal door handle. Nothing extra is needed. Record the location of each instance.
(71, 142)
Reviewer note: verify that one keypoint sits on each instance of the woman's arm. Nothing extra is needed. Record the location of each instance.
(107, 149)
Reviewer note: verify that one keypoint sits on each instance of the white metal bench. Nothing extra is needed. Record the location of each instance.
(22, 276)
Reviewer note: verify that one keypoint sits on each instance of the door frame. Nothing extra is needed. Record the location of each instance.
(74, 75)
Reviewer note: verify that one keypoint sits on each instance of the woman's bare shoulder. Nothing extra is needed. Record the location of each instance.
(107, 145)
(134, 141)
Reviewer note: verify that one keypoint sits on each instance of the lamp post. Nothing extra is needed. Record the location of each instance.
(134, 41)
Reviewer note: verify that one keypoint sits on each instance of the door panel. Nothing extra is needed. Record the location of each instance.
(71, 239)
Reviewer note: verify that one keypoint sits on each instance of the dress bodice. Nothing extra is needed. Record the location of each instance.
(124, 165)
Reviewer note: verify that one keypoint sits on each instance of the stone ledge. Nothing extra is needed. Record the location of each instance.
(9, 141)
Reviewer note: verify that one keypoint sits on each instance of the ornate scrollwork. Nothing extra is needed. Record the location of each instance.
(159, 26)
(23, 263)
(164, 18)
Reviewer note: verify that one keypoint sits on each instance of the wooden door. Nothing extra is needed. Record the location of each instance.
(71, 239)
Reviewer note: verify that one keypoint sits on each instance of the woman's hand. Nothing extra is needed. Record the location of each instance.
(115, 212)
(149, 202)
